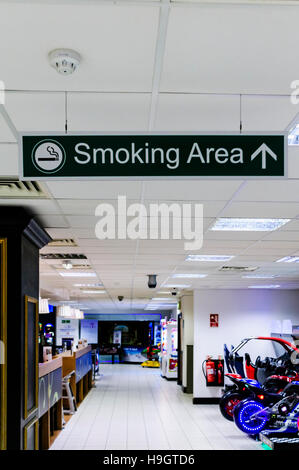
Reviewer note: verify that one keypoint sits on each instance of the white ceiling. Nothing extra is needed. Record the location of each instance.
(154, 66)
(230, 48)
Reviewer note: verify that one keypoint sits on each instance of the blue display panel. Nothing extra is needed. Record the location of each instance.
(50, 390)
(83, 365)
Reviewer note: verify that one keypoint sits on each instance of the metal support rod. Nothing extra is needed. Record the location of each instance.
(9, 122)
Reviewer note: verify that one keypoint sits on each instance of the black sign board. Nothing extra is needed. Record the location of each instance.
(152, 155)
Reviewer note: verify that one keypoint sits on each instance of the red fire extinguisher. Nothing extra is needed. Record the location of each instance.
(220, 371)
(210, 370)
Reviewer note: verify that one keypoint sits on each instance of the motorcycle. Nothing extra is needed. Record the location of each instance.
(264, 378)
(252, 416)
(249, 388)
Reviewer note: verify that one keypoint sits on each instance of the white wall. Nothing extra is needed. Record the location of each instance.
(188, 330)
(242, 313)
(66, 329)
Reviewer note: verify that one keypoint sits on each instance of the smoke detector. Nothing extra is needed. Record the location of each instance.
(65, 61)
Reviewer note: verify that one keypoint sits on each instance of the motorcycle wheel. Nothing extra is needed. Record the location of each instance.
(227, 404)
(242, 413)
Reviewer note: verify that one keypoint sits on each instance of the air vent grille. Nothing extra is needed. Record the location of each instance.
(63, 256)
(62, 242)
(237, 268)
(21, 189)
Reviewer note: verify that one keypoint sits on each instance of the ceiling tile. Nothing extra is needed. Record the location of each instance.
(36, 112)
(52, 221)
(97, 112)
(267, 113)
(39, 208)
(94, 189)
(210, 208)
(199, 190)
(272, 191)
(87, 206)
(262, 210)
(281, 235)
(107, 36)
(236, 60)
(182, 112)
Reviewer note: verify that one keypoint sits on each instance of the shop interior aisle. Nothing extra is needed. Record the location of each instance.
(133, 408)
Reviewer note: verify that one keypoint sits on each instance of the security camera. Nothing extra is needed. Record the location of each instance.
(120, 298)
(174, 292)
(152, 281)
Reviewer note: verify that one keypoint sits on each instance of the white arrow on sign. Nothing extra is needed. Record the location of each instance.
(264, 150)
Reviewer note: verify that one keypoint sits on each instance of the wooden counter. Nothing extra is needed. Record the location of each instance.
(50, 400)
(45, 368)
(81, 363)
(80, 352)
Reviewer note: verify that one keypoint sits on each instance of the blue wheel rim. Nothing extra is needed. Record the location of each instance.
(247, 425)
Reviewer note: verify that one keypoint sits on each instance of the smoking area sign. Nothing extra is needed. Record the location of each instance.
(142, 156)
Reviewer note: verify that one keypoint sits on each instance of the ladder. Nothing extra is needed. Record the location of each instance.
(67, 394)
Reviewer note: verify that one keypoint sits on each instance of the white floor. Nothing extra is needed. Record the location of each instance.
(134, 408)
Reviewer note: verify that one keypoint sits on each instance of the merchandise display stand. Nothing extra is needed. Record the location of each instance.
(169, 354)
(279, 441)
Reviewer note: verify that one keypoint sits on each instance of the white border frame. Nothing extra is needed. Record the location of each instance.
(149, 178)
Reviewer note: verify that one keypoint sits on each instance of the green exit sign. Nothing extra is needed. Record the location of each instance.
(152, 155)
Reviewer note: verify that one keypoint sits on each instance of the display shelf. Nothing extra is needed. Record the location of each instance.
(279, 441)
(50, 401)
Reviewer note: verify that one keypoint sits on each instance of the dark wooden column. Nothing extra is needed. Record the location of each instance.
(24, 237)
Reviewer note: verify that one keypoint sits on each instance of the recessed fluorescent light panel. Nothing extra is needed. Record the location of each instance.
(77, 274)
(270, 286)
(248, 225)
(189, 276)
(162, 305)
(293, 137)
(178, 286)
(89, 285)
(209, 258)
(162, 298)
(260, 276)
(288, 259)
(93, 291)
